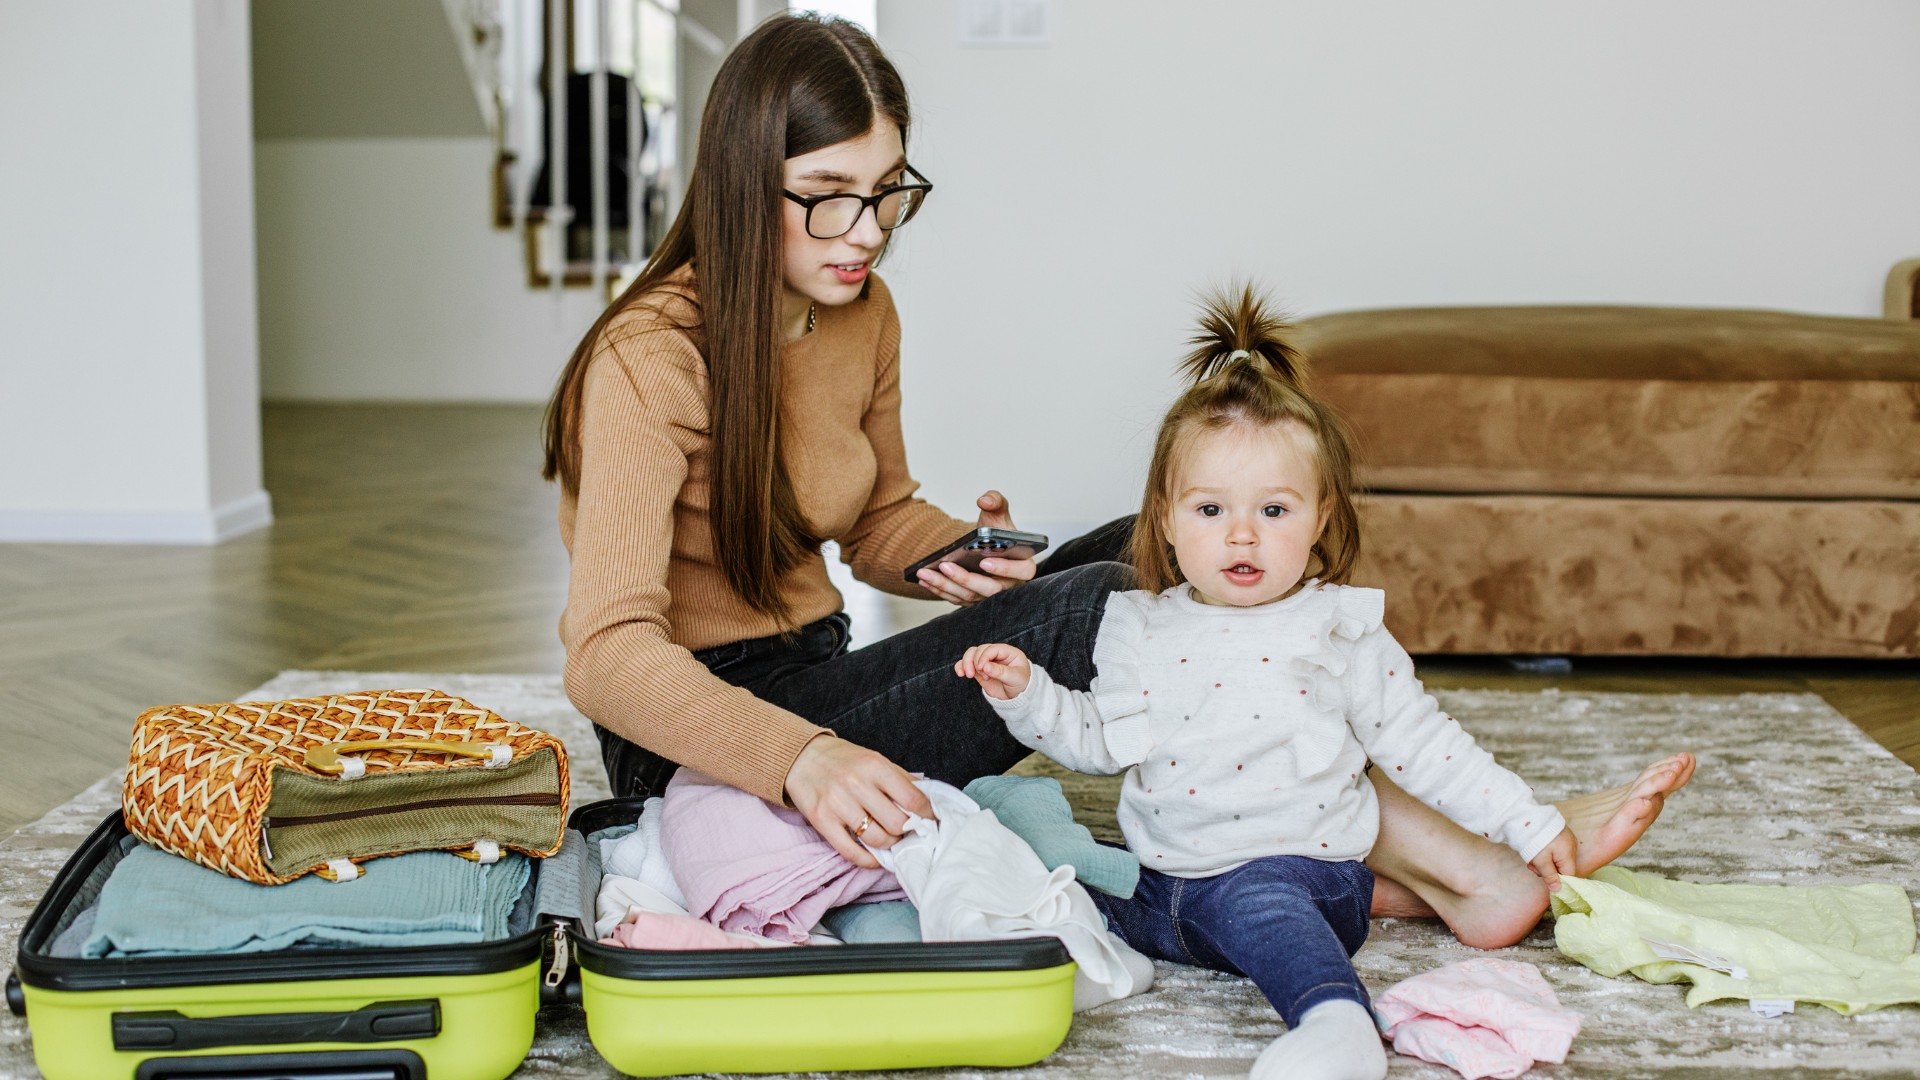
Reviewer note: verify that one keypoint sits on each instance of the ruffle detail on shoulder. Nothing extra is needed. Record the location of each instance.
(1117, 692)
(1344, 614)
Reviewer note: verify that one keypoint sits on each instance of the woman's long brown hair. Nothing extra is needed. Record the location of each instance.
(1246, 372)
(797, 84)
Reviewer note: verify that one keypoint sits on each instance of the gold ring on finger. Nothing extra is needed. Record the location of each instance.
(860, 830)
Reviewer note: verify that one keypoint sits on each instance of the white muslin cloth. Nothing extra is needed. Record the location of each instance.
(637, 855)
(973, 879)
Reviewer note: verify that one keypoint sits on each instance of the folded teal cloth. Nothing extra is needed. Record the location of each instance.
(1036, 810)
(157, 904)
(873, 924)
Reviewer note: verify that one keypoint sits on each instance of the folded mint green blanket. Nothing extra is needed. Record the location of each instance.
(157, 904)
(1848, 947)
(1036, 810)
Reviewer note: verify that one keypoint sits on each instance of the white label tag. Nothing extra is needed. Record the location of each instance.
(1770, 1007)
(1667, 950)
(344, 870)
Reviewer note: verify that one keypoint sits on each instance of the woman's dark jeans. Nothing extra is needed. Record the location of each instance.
(899, 696)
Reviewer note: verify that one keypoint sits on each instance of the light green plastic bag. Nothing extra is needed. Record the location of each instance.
(1848, 947)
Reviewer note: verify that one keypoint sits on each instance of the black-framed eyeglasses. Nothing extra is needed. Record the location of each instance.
(829, 216)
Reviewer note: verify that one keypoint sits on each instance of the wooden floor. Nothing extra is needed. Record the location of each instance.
(411, 538)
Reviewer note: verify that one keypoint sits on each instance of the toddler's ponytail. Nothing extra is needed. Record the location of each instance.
(1245, 372)
(1240, 334)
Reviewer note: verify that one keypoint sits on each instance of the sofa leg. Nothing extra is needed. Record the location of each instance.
(1903, 291)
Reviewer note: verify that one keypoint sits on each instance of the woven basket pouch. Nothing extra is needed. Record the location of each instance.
(267, 791)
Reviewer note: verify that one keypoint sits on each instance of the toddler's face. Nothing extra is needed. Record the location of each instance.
(1246, 513)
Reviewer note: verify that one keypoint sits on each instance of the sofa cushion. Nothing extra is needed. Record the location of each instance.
(1625, 401)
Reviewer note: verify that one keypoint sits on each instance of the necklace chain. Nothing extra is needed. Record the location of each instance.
(810, 317)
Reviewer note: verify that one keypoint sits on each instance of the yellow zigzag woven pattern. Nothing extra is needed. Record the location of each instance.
(200, 777)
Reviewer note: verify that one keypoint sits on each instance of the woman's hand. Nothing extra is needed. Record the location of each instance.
(852, 795)
(1555, 859)
(1001, 670)
(958, 585)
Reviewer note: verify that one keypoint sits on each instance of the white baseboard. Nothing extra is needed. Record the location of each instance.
(231, 519)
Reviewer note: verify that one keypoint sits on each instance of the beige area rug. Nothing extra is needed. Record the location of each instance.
(1788, 792)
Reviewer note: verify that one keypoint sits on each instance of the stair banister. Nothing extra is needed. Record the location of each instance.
(559, 210)
(597, 143)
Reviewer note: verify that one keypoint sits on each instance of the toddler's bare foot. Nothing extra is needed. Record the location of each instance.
(1607, 823)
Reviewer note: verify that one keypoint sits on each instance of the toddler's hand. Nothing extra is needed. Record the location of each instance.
(1001, 670)
(1555, 859)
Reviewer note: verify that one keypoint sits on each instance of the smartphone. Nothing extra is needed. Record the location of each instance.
(977, 544)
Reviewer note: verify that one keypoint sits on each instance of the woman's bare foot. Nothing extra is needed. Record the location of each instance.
(1607, 823)
(1427, 866)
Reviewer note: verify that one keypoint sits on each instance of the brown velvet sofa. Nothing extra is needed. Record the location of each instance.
(1614, 480)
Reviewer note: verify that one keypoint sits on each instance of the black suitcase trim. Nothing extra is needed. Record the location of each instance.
(1019, 954)
(36, 969)
(335, 1065)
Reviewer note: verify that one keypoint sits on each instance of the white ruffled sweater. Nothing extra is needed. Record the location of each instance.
(1245, 732)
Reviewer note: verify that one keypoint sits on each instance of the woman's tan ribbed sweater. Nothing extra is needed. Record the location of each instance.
(645, 589)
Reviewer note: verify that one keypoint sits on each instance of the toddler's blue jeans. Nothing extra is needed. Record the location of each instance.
(1289, 923)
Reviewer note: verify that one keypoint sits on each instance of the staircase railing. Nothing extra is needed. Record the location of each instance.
(583, 100)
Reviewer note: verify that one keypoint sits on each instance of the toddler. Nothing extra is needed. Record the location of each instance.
(1244, 689)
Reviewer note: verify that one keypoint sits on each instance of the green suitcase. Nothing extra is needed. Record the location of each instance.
(656, 1013)
(466, 1012)
(453, 1012)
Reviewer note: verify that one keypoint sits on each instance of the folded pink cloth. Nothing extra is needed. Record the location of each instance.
(1481, 1017)
(655, 930)
(751, 867)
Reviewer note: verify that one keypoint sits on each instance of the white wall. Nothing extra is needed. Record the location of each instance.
(229, 297)
(1751, 153)
(382, 277)
(127, 409)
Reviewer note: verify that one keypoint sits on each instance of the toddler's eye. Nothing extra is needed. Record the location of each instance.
(1273, 510)
(1209, 510)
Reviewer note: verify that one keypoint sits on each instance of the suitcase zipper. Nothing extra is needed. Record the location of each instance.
(548, 799)
(557, 974)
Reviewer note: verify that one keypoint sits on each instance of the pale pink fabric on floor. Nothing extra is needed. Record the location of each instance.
(653, 930)
(751, 867)
(1481, 1017)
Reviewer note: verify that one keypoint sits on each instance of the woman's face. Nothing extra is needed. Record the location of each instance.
(832, 272)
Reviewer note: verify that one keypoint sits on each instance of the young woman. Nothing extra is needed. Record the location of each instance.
(737, 406)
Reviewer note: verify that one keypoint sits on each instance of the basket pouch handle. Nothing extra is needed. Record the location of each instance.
(326, 757)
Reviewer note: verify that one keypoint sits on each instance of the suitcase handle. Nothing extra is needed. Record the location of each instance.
(382, 1021)
(325, 757)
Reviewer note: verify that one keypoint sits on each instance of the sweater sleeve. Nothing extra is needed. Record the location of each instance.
(1101, 730)
(645, 409)
(1427, 754)
(895, 529)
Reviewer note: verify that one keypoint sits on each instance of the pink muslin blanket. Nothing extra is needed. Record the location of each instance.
(751, 867)
(656, 930)
(1480, 1017)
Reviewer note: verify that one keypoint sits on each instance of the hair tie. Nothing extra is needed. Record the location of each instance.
(1238, 355)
